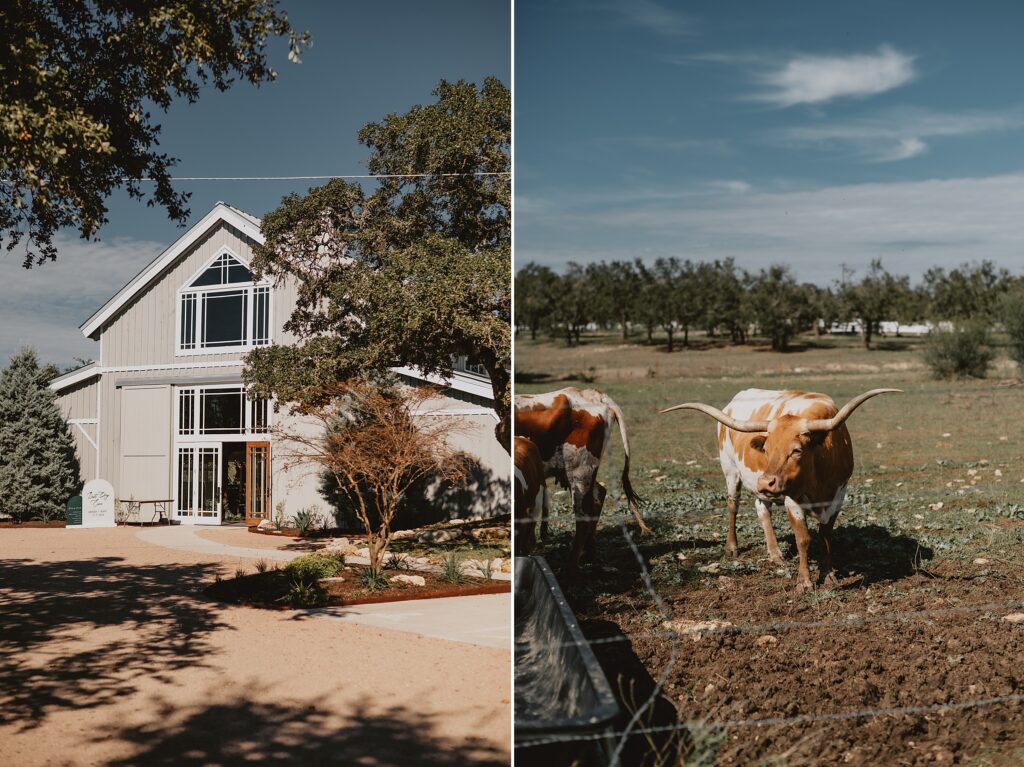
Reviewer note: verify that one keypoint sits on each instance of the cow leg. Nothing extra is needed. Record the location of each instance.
(765, 515)
(581, 510)
(590, 547)
(544, 515)
(732, 488)
(828, 573)
(828, 519)
(803, 543)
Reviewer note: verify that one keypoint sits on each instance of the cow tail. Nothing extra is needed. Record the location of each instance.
(632, 498)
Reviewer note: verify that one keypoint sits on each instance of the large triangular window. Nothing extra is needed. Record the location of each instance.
(225, 270)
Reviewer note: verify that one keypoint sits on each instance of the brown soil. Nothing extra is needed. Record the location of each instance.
(922, 640)
(268, 590)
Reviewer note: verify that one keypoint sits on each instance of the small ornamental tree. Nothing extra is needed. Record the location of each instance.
(39, 469)
(376, 445)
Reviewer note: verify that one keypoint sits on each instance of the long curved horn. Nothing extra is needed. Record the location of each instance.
(827, 424)
(722, 418)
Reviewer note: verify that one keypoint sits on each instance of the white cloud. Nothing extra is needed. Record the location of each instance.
(910, 225)
(817, 79)
(43, 306)
(652, 16)
(732, 186)
(904, 150)
(897, 134)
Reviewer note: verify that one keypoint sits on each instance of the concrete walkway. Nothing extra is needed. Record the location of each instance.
(484, 620)
(186, 538)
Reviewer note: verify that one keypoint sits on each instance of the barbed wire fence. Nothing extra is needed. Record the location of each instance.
(635, 726)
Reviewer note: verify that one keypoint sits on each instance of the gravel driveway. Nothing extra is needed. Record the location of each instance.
(111, 656)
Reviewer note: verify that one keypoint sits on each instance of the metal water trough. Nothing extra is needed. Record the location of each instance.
(560, 690)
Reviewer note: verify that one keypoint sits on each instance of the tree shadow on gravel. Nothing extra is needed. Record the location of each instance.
(257, 730)
(128, 621)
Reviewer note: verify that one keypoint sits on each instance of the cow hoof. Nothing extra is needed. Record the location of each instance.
(732, 551)
(830, 581)
(778, 560)
(803, 587)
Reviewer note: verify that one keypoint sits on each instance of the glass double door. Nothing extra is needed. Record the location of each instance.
(207, 486)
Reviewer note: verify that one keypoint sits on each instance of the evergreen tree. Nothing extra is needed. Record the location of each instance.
(39, 469)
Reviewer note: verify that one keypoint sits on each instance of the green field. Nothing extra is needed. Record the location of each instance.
(934, 517)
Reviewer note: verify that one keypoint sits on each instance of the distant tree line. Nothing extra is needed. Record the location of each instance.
(676, 296)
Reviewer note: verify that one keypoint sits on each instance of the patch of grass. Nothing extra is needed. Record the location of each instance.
(261, 565)
(239, 572)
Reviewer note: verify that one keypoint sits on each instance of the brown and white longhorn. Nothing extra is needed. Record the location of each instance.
(570, 428)
(790, 448)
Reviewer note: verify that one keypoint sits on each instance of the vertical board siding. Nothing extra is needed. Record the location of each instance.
(145, 332)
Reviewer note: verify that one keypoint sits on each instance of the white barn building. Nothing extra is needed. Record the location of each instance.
(163, 415)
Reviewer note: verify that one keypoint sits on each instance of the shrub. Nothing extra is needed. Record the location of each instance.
(303, 594)
(962, 352)
(374, 579)
(306, 519)
(1011, 311)
(309, 569)
(451, 569)
(261, 566)
(398, 562)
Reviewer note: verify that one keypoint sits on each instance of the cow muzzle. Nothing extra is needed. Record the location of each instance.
(770, 486)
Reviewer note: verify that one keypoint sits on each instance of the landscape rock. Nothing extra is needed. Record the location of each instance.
(333, 579)
(766, 640)
(1014, 618)
(266, 524)
(410, 580)
(695, 629)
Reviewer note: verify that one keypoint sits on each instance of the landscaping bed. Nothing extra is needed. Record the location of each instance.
(317, 581)
(33, 523)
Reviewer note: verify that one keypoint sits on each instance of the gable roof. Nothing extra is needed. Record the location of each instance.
(220, 213)
(73, 377)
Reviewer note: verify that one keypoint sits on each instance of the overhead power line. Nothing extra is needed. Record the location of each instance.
(325, 178)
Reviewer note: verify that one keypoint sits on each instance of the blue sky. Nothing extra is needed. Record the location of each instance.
(367, 60)
(806, 133)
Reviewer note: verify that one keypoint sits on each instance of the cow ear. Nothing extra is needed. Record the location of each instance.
(815, 438)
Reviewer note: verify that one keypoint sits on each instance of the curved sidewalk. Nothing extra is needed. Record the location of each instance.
(187, 538)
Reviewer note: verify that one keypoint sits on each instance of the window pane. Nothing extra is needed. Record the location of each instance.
(188, 321)
(185, 458)
(224, 271)
(238, 273)
(186, 410)
(258, 417)
(261, 317)
(222, 411)
(224, 317)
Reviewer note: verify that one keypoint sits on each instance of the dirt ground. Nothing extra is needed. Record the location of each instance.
(109, 655)
(930, 544)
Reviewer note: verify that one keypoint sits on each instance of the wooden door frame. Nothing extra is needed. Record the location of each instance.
(250, 520)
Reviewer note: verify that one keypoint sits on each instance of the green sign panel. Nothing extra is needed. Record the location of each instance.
(74, 513)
